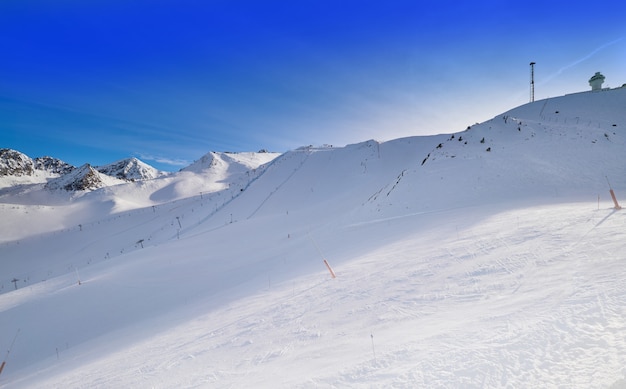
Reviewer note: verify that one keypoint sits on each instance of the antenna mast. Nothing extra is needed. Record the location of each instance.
(532, 82)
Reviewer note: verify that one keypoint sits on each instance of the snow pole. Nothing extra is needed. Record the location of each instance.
(373, 349)
(9, 352)
(332, 273)
(77, 276)
(617, 206)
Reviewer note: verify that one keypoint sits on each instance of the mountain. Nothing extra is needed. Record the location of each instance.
(83, 178)
(491, 257)
(61, 175)
(214, 172)
(130, 169)
(14, 163)
(214, 162)
(52, 165)
(18, 172)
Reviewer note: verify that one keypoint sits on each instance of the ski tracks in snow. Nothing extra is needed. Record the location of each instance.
(507, 302)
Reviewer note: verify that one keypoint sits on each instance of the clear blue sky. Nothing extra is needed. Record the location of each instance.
(167, 81)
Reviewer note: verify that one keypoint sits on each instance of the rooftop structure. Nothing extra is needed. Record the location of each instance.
(596, 81)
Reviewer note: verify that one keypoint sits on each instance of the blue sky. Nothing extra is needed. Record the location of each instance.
(168, 81)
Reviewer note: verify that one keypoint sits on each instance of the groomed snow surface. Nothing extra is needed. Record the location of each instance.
(491, 258)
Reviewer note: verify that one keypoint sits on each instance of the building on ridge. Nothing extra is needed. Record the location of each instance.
(596, 81)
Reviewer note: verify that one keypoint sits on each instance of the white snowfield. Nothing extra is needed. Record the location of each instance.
(490, 258)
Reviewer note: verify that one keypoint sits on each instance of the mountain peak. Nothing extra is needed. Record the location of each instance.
(205, 162)
(14, 163)
(52, 165)
(83, 178)
(130, 169)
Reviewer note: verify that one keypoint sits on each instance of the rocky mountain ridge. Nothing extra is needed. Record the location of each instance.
(52, 165)
(17, 168)
(62, 175)
(85, 177)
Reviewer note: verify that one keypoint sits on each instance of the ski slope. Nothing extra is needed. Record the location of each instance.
(492, 257)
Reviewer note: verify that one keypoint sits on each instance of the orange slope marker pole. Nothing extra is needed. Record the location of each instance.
(617, 206)
(330, 269)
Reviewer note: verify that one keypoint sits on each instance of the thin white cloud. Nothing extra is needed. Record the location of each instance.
(583, 59)
(164, 160)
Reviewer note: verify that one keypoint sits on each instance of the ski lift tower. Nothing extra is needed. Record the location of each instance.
(532, 82)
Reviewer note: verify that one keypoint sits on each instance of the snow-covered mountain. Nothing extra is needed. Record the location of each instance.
(19, 172)
(234, 161)
(52, 165)
(65, 176)
(491, 257)
(14, 163)
(130, 169)
(85, 177)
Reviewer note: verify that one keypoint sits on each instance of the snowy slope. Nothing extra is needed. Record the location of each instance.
(488, 258)
(59, 210)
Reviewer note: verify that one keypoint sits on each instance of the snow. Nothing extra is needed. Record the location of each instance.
(456, 266)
